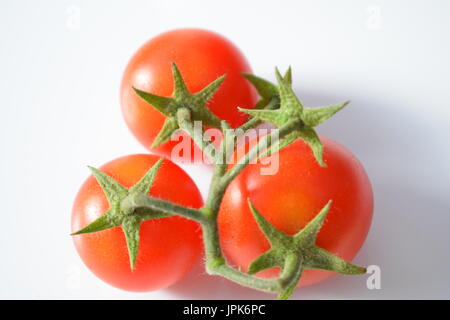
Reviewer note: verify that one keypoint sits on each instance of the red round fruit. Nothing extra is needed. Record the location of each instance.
(168, 247)
(201, 56)
(291, 197)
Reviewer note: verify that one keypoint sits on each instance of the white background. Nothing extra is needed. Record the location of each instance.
(60, 111)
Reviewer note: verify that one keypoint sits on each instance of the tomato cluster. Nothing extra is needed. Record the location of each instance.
(289, 199)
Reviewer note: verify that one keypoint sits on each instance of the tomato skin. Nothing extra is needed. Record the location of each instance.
(168, 248)
(291, 198)
(202, 56)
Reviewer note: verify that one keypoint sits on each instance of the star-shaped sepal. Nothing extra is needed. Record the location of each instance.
(182, 98)
(116, 216)
(268, 92)
(291, 111)
(294, 253)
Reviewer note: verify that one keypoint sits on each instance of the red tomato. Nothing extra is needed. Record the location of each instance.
(290, 198)
(201, 56)
(168, 247)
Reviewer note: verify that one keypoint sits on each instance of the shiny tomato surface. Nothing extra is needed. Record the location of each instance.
(201, 56)
(168, 247)
(291, 197)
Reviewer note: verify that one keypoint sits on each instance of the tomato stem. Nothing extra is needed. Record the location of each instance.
(264, 144)
(137, 201)
(253, 122)
(244, 279)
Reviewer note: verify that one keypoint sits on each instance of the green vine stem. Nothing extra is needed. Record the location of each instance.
(140, 201)
(185, 122)
(278, 105)
(265, 143)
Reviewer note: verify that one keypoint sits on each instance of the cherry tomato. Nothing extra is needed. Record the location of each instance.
(291, 197)
(168, 247)
(201, 56)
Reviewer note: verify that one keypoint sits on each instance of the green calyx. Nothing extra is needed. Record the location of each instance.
(295, 253)
(290, 111)
(268, 92)
(119, 215)
(182, 98)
